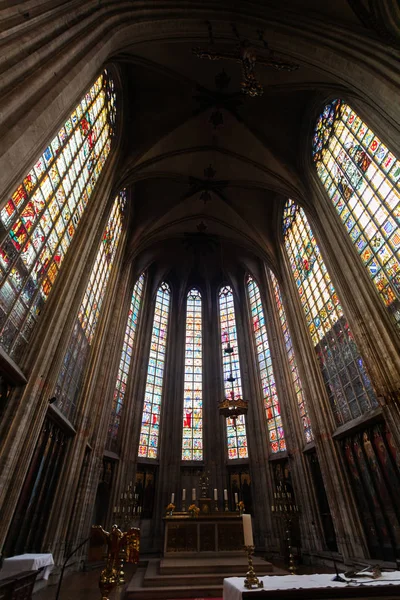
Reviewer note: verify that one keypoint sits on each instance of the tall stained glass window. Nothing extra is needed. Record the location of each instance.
(236, 431)
(349, 388)
(292, 360)
(150, 431)
(70, 378)
(124, 365)
(271, 403)
(362, 178)
(40, 218)
(192, 442)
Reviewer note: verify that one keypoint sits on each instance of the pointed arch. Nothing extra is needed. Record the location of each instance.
(42, 215)
(150, 429)
(192, 434)
(347, 382)
(361, 177)
(124, 364)
(236, 435)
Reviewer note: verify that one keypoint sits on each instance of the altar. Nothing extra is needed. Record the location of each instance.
(314, 587)
(204, 535)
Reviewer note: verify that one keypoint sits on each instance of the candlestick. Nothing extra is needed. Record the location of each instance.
(236, 500)
(193, 494)
(215, 494)
(183, 494)
(251, 581)
(226, 495)
(172, 497)
(247, 530)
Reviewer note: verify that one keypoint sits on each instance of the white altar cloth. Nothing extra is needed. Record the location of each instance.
(234, 586)
(27, 562)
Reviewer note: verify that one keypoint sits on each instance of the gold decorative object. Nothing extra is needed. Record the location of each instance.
(251, 582)
(194, 510)
(117, 541)
(226, 507)
(107, 581)
(170, 509)
(241, 507)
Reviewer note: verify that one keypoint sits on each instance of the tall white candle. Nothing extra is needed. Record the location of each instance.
(236, 498)
(247, 530)
(183, 494)
(172, 498)
(193, 493)
(225, 494)
(215, 494)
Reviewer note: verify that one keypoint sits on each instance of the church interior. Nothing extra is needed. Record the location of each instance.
(200, 279)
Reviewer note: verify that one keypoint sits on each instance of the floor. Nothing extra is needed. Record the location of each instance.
(84, 585)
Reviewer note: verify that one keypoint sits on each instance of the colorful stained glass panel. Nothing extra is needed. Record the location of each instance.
(292, 360)
(192, 433)
(348, 385)
(124, 365)
(29, 223)
(360, 173)
(271, 403)
(235, 430)
(70, 377)
(150, 430)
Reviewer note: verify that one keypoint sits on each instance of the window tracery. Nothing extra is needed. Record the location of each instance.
(236, 432)
(150, 429)
(70, 377)
(38, 222)
(301, 403)
(192, 442)
(347, 382)
(124, 364)
(361, 177)
(271, 402)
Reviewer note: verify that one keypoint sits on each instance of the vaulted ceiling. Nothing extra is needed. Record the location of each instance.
(177, 123)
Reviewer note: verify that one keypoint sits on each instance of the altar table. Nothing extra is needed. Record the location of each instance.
(217, 534)
(309, 587)
(27, 562)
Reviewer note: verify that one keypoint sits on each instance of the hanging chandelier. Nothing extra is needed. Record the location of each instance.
(231, 407)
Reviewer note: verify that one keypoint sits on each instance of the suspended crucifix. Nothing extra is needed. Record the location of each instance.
(246, 54)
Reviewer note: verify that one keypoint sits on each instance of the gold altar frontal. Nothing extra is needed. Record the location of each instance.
(205, 535)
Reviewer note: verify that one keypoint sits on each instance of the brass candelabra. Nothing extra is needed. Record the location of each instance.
(251, 582)
(286, 509)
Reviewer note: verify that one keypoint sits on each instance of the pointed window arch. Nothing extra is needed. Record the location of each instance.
(150, 430)
(236, 436)
(70, 378)
(192, 442)
(271, 403)
(348, 385)
(40, 218)
(292, 360)
(124, 364)
(361, 177)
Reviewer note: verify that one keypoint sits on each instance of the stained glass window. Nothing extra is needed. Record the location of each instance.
(192, 442)
(236, 431)
(362, 177)
(149, 433)
(40, 218)
(124, 365)
(348, 385)
(70, 377)
(271, 403)
(292, 360)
